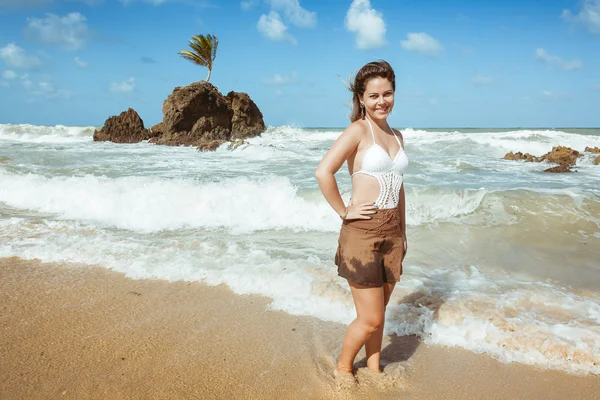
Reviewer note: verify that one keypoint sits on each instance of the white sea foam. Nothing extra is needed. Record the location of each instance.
(528, 322)
(257, 151)
(536, 142)
(587, 160)
(26, 133)
(439, 205)
(148, 204)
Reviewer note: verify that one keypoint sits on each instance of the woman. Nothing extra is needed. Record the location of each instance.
(372, 242)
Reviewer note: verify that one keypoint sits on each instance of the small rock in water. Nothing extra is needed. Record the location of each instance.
(520, 156)
(210, 145)
(237, 143)
(562, 155)
(595, 150)
(566, 157)
(560, 168)
(127, 127)
(513, 156)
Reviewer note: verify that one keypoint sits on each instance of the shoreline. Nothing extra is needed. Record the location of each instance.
(77, 331)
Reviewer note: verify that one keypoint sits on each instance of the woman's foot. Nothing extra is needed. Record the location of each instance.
(376, 369)
(338, 372)
(343, 378)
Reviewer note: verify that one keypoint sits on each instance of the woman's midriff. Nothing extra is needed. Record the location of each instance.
(365, 189)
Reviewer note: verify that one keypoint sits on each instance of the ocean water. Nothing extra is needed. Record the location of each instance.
(503, 258)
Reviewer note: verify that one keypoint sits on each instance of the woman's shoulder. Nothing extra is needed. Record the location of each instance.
(357, 128)
(353, 135)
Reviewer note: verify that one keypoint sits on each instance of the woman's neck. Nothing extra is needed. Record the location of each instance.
(381, 123)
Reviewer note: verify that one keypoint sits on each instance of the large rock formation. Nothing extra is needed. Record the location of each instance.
(247, 119)
(158, 129)
(199, 115)
(194, 115)
(195, 112)
(127, 127)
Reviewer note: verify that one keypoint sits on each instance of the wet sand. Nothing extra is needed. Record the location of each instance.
(85, 332)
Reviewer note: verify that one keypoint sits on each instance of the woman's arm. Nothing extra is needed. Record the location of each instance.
(341, 150)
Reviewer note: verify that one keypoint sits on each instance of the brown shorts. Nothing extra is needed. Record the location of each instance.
(370, 252)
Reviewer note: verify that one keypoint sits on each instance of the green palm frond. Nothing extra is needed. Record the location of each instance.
(204, 51)
(193, 57)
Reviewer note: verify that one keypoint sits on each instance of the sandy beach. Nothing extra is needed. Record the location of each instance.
(77, 331)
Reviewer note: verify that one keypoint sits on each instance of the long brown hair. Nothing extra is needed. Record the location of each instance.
(374, 69)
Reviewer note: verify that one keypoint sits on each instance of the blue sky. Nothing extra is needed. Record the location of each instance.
(458, 63)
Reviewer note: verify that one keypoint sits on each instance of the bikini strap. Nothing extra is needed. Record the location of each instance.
(372, 133)
(396, 136)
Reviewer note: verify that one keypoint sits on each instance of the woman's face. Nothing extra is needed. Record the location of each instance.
(378, 98)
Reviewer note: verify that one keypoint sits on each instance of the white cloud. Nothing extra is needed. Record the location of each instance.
(248, 4)
(550, 95)
(272, 27)
(16, 57)
(557, 62)
(122, 87)
(44, 88)
(422, 43)
(588, 16)
(294, 13)
(480, 80)
(278, 79)
(70, 31)
(9, 74)
(367, 23)
(80, 63)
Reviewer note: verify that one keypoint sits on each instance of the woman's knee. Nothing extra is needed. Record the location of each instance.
(372, 323)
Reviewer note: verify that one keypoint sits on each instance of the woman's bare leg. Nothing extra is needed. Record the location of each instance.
(373, 344)
(370, 311)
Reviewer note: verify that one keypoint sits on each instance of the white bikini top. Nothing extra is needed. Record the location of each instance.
(389, 173)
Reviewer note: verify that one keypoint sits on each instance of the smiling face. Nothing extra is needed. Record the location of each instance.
(378, 98)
